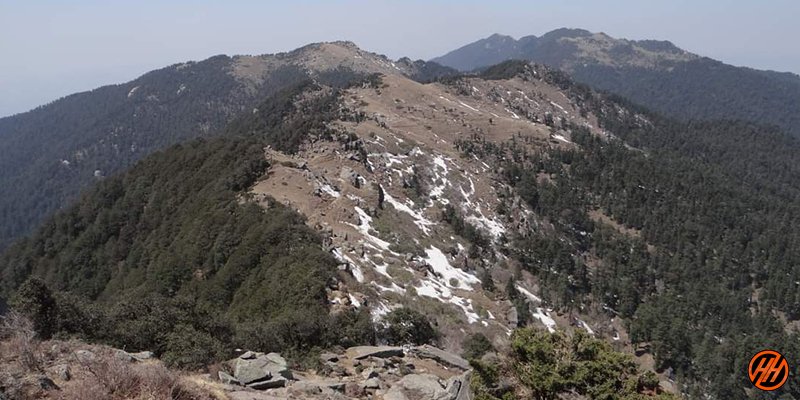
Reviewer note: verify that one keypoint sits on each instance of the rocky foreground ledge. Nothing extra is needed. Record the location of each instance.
(363, 372)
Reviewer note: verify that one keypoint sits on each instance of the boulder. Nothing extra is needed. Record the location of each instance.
(142, 355)
(262, 367)
(441, 356)
(227, 379)
(362, 352)
(372, 383)
(417, 387)
(369, 373)
(329, 357)
(62, 371)
(273, 383)
(85, 356)
(123, 356)
(46, 383)
(248, 355)
(313, 386)
(353, 389)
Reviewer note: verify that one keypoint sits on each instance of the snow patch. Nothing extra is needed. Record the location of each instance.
(544, 317)
(365, 225)
(441, 266)
(532, 297)
(419, 219)
(133, 91)
(585, 326)
(329, 190)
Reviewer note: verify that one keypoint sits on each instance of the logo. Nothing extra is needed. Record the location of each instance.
(768, 370)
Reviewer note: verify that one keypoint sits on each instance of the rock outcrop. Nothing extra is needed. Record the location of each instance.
(362, 372)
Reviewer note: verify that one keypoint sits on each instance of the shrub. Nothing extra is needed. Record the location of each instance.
(476, 345)
(406, 326)
(35, 300)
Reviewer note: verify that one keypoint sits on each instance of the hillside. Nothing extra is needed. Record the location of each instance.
(53, 152)
(472, 205)
(656, 74)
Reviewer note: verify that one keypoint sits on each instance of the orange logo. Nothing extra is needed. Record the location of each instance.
(768, 370)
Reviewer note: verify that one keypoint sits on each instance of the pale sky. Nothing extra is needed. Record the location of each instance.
(51, 48)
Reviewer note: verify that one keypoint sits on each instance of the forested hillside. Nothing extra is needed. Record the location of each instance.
(707, 273)
(52, 153)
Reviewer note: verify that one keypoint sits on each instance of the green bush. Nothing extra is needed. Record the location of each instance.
(476, 345)
(407, 326)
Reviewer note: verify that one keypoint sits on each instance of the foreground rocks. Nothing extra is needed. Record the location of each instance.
(374, 372)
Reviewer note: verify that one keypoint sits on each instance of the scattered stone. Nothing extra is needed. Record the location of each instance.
(362, 352)
(260, 368)
(353, 389)
(369, 373)
(372, 383)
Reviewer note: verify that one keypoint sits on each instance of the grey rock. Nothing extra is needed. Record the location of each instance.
(372, 383)
(85, 356)
(63, 372)
(274, 383)
(362, 352)
(248, 355)
(261, 367)
(227, 379)
(417, 387)
(46, 383)
(329, 357)
(441, 356)
(123, 356)
(313, 386)
(248, 371)
(142, 355)
(512, 317)
(369, 373)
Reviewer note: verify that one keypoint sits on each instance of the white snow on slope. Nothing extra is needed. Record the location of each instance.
(329, 190)
(469, 107)
(419, 219)
(585, 326)
(438, 261)
(544, 317)
(532, 297)
(365, 225)
(354, 268)
(561, 138)
(133, 91)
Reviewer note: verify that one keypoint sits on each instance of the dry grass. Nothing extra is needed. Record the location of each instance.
(19, 342)
(24, 361)
(111, 378)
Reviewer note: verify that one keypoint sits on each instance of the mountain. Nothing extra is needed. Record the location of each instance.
(656, 74)
(362, 206)
(53, 152)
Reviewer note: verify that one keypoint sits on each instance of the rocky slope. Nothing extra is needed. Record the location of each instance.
(656, 74)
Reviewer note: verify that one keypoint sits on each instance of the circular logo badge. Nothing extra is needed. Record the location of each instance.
(768, 370)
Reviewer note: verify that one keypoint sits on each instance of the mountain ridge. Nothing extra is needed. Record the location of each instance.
(656, 74)
(55, 150)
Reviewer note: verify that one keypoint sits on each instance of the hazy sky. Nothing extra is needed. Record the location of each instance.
(49, 49)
